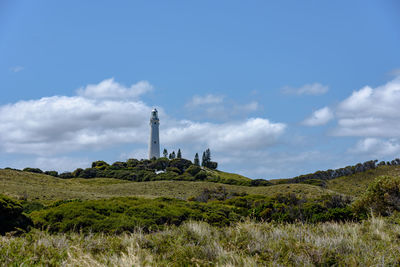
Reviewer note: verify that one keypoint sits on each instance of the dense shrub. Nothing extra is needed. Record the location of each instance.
(126, 214)
(66, 175)
(148, 170)
(290, 208)
(100, 164)
(382, 197)
(181, 164)
(35, 170)
(260, 182)
(11, 216)
(193, 170)
(51, 173)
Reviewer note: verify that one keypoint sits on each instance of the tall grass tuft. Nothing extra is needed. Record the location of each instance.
(375, 241)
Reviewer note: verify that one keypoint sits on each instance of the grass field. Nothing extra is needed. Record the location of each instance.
(374, 242)
(371, 242)
(44, 188)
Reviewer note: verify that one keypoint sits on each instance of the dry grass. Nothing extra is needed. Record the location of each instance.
(374, 242)
(46, 188)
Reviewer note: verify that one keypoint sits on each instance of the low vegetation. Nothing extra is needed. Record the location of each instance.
(119, 215)
(12, 218)
(372, 242)
(108, 221)
(176, 169)
(46, 189)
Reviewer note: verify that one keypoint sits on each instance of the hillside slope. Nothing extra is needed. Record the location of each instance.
(356, 184)
(44, 188)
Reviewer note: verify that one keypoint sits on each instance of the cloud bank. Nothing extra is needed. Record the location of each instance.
(107, 114)
(371, 112)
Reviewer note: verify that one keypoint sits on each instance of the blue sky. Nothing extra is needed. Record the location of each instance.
(274, 88)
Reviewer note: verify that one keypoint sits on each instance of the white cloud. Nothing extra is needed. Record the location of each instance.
(17, 68)
(307, 89)
(376, 147)
(59, 124)
(371, 112)
(95, 120)
(319, 117)
(254, 133)
(204, 100)
(110, 89)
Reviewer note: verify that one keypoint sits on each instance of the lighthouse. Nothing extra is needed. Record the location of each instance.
(154, 145)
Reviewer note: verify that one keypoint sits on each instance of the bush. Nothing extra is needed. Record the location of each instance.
(51, 173)
(382, 197)
(260, 182)
(118, 215)
(35, 170)
(11, 216)
(100, 164)
(89, 173)
(66, 175)
(181, 164)
(118, 165)
(193, 170)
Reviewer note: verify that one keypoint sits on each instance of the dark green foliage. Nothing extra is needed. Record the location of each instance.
(118, 215)
(332, 174)
(66, 175)
(77, 172)
(179, 154)
(35, 170)
(119, 165)
(51, 173)
(181, 164)
(206, 160)
(217, 207)
(193, 170)
(212, 165)
(159, 164)
(11, 216)
(260, 182)
(100, 164)
(132, 163)
(145, 170)
(382, 197)
(174, 170)
(29, 206)
(196, 160)
(289, 208)
(90, 173)
(165, 153)
(201, 176)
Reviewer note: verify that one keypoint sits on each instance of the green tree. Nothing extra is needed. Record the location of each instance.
(172, 155)
(179, 155)
(165, 153)
(196, 160)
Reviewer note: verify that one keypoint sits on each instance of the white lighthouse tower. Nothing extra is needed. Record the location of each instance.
(154, 145)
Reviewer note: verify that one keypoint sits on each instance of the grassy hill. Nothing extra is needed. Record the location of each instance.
(356, 184)
(45, 188)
